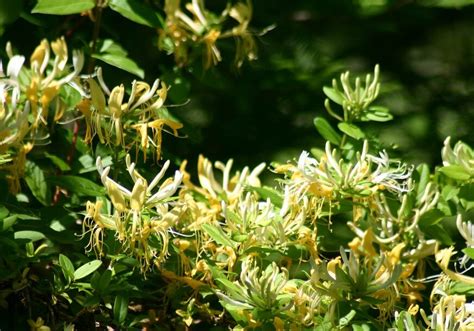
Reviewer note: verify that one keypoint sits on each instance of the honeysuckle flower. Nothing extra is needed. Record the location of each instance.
(466, 229)
(258, 289)
(462, 156)
(138, 214)
(391, 230)
(231, 188)
(44, 85)
(96, 223)
(141, 195)
(332, 176)
(452, 313)
(443, 257)
(38, 325)
(16, 168)
(127, 122)
(197, 25)
(308, 303)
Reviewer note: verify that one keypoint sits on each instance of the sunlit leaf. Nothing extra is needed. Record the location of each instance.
(78, 185)
(30, 235)
(268, 193)
(469, 251)
(60, 163)
(351, 130)
(334, 95)
(137, 12)
(67, 267)
(87, 269)
(218, 235)
(455, 172)
(120, 308)
(62, 7)
(121, 62)
(35, 180)
(326, 131)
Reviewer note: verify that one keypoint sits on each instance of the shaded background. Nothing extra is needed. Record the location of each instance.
(265, 110)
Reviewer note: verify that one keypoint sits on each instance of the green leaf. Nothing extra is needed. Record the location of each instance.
(431, 217)
(326, 131)
(30, 235)
(7, 222)
(447, 3)
(360, 327)
(344, 321)
(455, 172)
(137, 12)
(351, 130)
(218, 235)
(60, 163)
(268, 193)
(343, 280)
(109, 46)
(120, 308)
(424, 177)
(334, 95)
(469, 251)
(467, 192)
(405, 322)
(378, 114)
(67, 267)
(3, 212)
(450, 192)
(461, 288)
(62, 7)
(78, 185)
(121, 62)
(35, 180)
(87, 269)
(104, 280)
(70, 96)
(438, 232)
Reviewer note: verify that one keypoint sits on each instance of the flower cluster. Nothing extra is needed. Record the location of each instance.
(27, 97)
(34, 98)
(137, 215)
(198, 26)
(136, 122)
(341, 238)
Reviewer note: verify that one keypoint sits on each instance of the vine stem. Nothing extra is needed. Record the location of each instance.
(90, 69)
(95, 34)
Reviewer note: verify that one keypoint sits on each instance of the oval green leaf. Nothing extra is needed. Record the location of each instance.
(351, 130)
(78, 185)
(62, 7)
(218, 235)
(121, 62)
(120, 308)
(137, 12)
(35, 180)
(30, 235)
(7, 222)
(326, 131)
(455, 172)
(67, 267)
(334, 95)
(379, 117)
(86, 269)
(469, 251)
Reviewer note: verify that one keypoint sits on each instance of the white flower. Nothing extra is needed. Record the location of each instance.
(141, 192)
(334, 175)
(462, 155)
